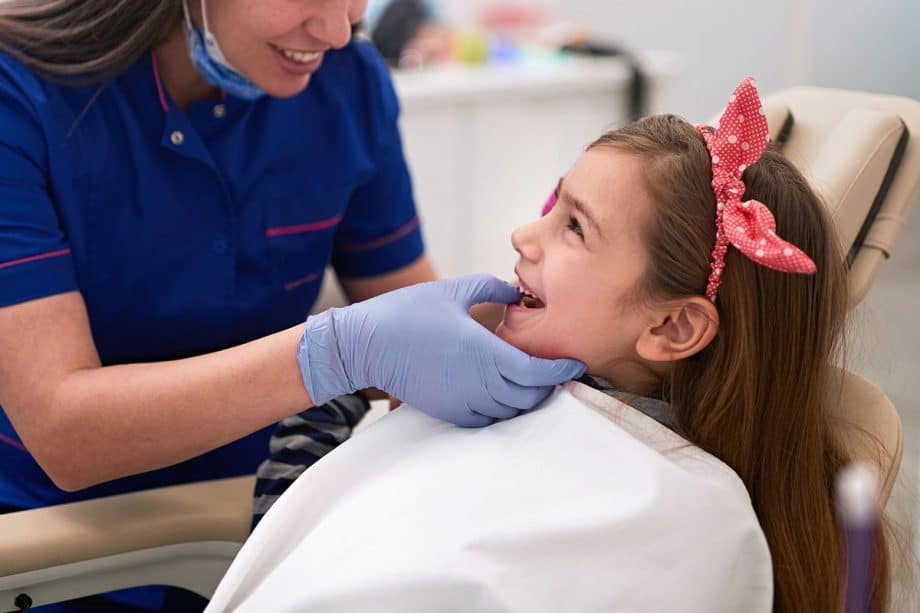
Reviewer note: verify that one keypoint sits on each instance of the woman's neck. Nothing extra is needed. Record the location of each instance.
(179, 76)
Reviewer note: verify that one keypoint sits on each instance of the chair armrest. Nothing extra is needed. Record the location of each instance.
(75, 532)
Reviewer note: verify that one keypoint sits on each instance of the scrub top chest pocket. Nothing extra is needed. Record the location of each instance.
(300, 229)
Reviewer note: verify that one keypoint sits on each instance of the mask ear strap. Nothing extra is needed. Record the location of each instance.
(204, 17)
(188, 18)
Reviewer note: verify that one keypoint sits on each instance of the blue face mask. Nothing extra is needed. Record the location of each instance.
(210, 62)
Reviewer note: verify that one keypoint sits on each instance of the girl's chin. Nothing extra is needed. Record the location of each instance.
(525, 342)
(504, 332)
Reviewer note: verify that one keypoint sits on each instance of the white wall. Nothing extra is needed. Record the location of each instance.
(860, 44)
(866, 44)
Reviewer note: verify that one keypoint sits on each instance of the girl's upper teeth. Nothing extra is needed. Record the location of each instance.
(300, 56)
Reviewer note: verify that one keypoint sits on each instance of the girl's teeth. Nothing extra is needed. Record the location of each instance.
(300, 57)
(529, 301)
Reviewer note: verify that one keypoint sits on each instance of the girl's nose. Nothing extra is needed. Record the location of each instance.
(526, 241)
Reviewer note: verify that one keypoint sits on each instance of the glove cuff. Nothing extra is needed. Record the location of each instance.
(320, 362)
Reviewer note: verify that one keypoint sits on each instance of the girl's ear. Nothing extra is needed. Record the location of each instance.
(679, 331)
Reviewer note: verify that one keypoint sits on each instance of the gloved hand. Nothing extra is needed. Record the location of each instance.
(419, 344)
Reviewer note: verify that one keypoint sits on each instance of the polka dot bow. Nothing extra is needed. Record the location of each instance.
(749, 226)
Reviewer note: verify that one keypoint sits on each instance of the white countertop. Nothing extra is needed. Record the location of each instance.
(459, 84)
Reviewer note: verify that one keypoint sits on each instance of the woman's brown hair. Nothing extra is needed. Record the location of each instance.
(759, 396)
(86, 41)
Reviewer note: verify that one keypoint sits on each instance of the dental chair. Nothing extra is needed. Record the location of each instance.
(860, 151)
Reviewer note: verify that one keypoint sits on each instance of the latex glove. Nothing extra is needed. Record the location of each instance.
(419, 344)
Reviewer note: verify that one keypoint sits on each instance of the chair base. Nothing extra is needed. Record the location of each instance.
(197, 567)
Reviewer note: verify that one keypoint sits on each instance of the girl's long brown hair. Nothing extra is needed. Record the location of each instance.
(759, 396)
(85, 40)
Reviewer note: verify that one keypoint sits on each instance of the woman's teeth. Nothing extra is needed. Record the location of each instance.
(300, 57)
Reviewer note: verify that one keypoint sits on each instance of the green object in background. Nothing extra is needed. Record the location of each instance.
(471, 46)
(539, 54)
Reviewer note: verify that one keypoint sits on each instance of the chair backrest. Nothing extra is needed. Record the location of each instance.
(861, 153)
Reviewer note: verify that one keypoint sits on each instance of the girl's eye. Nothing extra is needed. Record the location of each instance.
(575, 227)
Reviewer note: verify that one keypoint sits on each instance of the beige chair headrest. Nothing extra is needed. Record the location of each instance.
(869, 427)
(861, 153)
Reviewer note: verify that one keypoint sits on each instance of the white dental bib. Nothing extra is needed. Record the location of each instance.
(585, 504)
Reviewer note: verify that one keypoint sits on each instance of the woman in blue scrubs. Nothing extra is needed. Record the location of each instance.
(174, 181)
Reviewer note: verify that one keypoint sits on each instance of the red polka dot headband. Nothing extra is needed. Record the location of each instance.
(748, 226)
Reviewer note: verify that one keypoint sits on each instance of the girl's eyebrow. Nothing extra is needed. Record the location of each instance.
(580, 206)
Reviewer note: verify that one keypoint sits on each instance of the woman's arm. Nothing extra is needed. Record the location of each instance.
(420, 271)
(86, 424)
(488, 314)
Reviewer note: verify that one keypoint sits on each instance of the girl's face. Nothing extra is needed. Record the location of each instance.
(583, 262)
(279, 44)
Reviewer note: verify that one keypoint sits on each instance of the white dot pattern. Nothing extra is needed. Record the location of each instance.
(739, 142)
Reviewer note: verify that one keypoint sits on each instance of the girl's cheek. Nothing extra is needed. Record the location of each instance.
(561, 341)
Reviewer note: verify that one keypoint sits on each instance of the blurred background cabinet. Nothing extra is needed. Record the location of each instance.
(487, 144)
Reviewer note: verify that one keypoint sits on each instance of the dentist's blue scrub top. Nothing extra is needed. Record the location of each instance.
(190, 233)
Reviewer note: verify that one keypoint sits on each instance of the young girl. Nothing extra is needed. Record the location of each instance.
(658, 265)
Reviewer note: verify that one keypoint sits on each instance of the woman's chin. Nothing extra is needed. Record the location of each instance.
(287, 87)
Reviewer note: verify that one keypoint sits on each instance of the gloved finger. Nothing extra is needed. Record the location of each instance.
(517, 396)
(496, 410)
(458, 412)
(479, 288)
(470, 419)
(523, 369)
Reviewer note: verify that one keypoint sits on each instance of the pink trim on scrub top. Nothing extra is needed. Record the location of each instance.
(32, 258)
(156, 77)
(12, 443)
(307, 227)
(380, 242)
(301, 281)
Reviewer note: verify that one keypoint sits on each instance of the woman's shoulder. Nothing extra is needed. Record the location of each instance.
(359, 56)
(358, 73)
(18, 81)
(24, 88)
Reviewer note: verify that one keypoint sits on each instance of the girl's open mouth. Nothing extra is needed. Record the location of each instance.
(529, 301)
